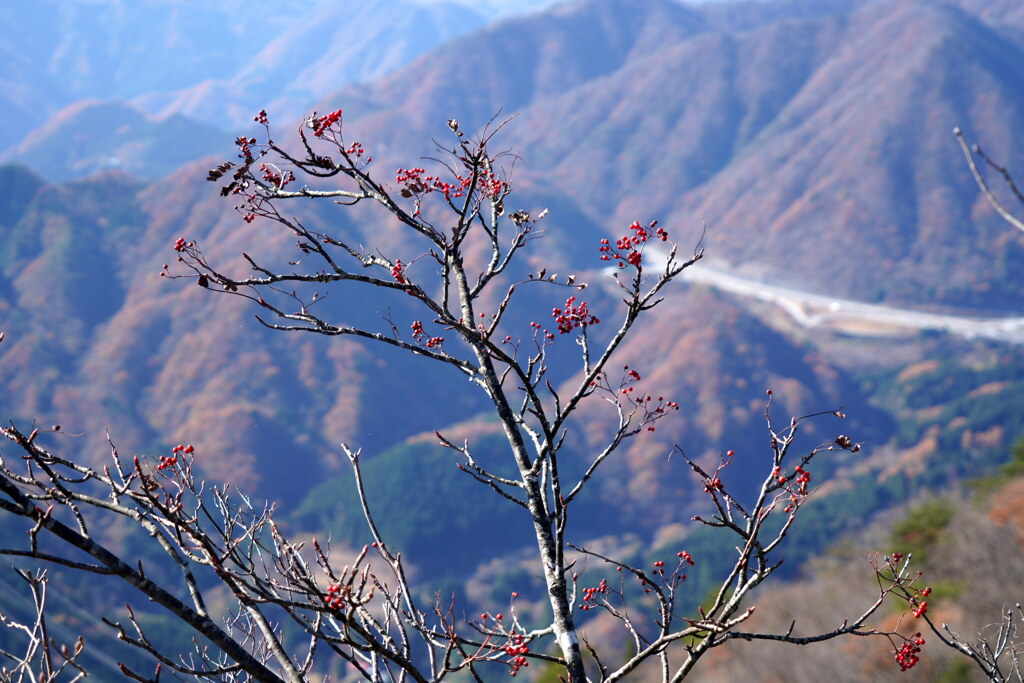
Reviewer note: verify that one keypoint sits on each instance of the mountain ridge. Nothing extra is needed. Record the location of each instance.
(820, 154)
(816, 147)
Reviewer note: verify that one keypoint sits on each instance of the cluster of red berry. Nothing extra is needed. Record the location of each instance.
(334, 599)
(590, 595)
(907, 655)
(490, 184)
(356, 150)
(398, 272)
(172, 460)
(420, 336)
(276, 177)
(416, 183)
(685, 560)
(244, 148)
(322, 123)
(517, 650)
(713, 484)
(573, 316)
(796, 496)
(651, 409)
(920, 606)
(628, 248)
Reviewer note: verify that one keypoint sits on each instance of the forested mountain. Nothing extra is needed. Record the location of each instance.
(813, 138)
(216, 63)
(811, 135)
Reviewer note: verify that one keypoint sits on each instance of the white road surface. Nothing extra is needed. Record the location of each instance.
(813, 310)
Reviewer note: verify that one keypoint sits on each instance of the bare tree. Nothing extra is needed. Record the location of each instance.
(296, 604)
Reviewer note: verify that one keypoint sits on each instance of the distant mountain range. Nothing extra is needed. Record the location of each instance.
(91, 136)
(812, 137)
(818, 136)
(196, 67)
(216, 63)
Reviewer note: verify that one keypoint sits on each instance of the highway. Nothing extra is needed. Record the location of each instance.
(855, 317)
(846, 315)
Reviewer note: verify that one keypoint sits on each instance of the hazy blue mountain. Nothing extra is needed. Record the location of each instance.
(324, 45)
(90, 136)
(786, 152)
(629, 109)
(215, 63)
(812, 137)
(219, 62)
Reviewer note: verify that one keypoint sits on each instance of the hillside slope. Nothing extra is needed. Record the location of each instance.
(799, 139)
